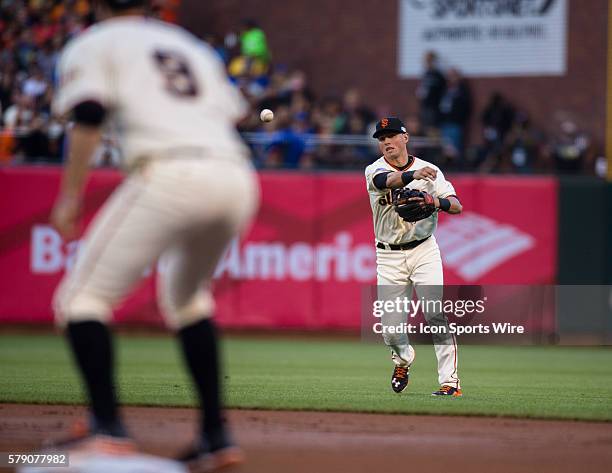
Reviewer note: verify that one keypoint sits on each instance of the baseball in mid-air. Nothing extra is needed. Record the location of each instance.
(266, 115)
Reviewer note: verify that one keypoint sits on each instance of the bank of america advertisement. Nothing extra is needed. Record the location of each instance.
(484, 37)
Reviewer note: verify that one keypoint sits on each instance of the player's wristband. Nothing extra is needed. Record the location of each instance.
(407, 177)
(445, 204)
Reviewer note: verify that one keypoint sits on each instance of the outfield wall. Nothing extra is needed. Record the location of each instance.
(309, 256)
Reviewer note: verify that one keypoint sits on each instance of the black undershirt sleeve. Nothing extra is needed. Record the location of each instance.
(89, 113)
(380, 180)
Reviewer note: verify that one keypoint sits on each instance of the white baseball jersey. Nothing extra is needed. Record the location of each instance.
(388, 226)
(141, 70)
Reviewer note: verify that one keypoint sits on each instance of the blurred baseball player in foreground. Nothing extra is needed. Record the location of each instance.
(189, 190)
(406, 194)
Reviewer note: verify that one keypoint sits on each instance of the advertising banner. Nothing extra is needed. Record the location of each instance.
(306, 259)
(484, 37)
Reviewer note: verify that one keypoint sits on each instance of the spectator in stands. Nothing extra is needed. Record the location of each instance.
(286, 146)
(48, 56)
(300, 108)
(276, 93)
(284, 86)
(56, 134)
(7, 81)
(496, 119)
(44, 30)
(455, 110)
(571, 149)
(7, 48)
(253, 43)
(25, 49)
(355, 109)
(297, 83)
(35, 85)
(354, 125)
(430, 92)
(330, 120)
(7, 146)
(250, 69)
(167, 10)
(357, 155)
(251, 82)
(524, 146)
(19, 115)
(34, 144)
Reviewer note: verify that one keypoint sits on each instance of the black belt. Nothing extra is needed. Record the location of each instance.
(404, 246)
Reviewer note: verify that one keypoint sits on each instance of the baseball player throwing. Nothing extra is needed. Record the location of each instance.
(189, 189)
(405, 195)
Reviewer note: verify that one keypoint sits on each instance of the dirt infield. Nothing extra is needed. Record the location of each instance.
(331, 442)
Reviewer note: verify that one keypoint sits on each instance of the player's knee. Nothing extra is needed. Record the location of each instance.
(180, 314)
(80, 307)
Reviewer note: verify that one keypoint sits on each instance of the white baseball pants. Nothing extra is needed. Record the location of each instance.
(398, 271)
(184, 210)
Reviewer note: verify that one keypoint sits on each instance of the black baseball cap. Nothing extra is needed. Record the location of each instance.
(392, 124)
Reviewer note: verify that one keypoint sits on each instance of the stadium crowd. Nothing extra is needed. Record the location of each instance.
(304, 133)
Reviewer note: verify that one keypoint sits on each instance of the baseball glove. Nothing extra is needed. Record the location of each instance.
(413, 210)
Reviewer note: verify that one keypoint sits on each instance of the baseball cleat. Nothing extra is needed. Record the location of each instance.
(204, 462)
(447, 391)
(82, 439)
(210, 457)
(399, 380)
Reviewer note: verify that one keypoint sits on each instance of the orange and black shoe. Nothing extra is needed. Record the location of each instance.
(400, 377)
(83, 439)
(217, 453)
(446, 390)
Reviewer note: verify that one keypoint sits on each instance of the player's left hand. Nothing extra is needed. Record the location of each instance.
(65, 216)
(413, 205)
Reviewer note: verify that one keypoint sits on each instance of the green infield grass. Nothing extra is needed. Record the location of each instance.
(323, 374)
